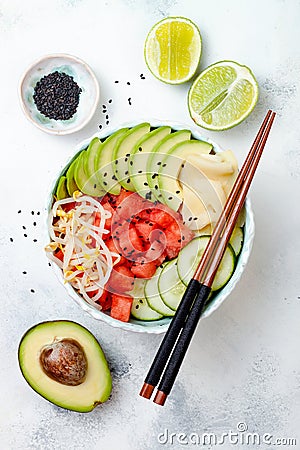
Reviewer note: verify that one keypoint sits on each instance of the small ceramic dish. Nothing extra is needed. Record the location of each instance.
(82, 75)
(158, 326)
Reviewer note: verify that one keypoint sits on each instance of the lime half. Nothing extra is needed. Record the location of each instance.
(173, 50)
(222, 96)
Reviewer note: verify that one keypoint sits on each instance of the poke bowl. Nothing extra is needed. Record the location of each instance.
(129, 216)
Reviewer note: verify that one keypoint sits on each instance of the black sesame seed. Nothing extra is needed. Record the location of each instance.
(126, 173)
(128, 181)
(34, 240)
(23, 226)
(11, 239)
(24, 272)
(156, 187)
(190, 219)
(195, 218)
(159, 163)
(95, 186)
(19, 212)
(32, 290)
(131, 163)
(116, 81)
(164, 165)
(32, 213)
(107, 116)
(110, 100)
(183, 238)
(104, 106)
(177, 192)
(25, 235)
(49, 264)
(140, 171)
(145, 184)
(128, 82)
(56, 96)
(100, 126)
(38, 213)
(126, 159)
(140, 149)
(127, 154)
(105, 174)
(148, 195)
(129, 101)
(114, 177)
(107, 122)
(170, 198)
(104, 182)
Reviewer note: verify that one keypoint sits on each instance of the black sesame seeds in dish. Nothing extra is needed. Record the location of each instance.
(56, 96)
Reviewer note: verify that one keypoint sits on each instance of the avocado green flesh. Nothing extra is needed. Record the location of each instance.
(86, 184)
(122, 152)
(103, 163)
(96, 387)
(155, 158)
(168, 174)
(71, 185)
(61, 190)
(138, 160)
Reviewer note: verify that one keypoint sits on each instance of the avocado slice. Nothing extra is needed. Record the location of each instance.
(71, 185)
(87, 185)
(104, 166)
(61, 190)
(43, 352)
(156, 156)
(137, 166)
(89, 164)
(123, 151)
(172, 163)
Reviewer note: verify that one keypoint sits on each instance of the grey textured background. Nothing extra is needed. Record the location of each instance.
(243, 364)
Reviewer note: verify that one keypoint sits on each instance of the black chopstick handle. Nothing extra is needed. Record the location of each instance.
(184, 340)
(171, 335)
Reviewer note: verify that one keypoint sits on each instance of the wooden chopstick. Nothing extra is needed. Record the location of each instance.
(182, 328)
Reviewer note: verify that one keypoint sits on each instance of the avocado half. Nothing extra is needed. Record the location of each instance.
(64, 363)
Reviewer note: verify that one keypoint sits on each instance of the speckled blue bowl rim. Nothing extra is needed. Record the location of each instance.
(158, 326)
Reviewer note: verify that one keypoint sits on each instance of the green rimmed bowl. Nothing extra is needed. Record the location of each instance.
(159, 326)
(83, 76)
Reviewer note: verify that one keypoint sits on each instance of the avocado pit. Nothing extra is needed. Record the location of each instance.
(64, 361)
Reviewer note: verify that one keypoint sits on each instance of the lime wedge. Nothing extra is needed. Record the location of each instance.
(222, 96)
(173, 50)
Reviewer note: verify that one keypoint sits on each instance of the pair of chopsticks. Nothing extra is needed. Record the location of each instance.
(173, 348)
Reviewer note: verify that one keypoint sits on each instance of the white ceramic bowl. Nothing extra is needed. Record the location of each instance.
(159, 326)
(83, 76)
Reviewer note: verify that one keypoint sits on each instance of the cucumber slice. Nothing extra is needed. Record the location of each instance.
(71, 185)
(189, 257)
(141, 310)
(61, 190)
(153, 297)
(236, 240)
(171, 288)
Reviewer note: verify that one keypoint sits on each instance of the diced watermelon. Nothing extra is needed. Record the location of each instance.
(111, 246)
(131, 246)
(68, 206)
(120, 280)
(178, 235)
(122, 196)
(146, 270)
(104, 300)
(121, 307)
(157, 246)
(131, 205)
(144, 229)
(59, 254)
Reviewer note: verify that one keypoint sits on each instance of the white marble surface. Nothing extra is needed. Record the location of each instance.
(243, 364)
